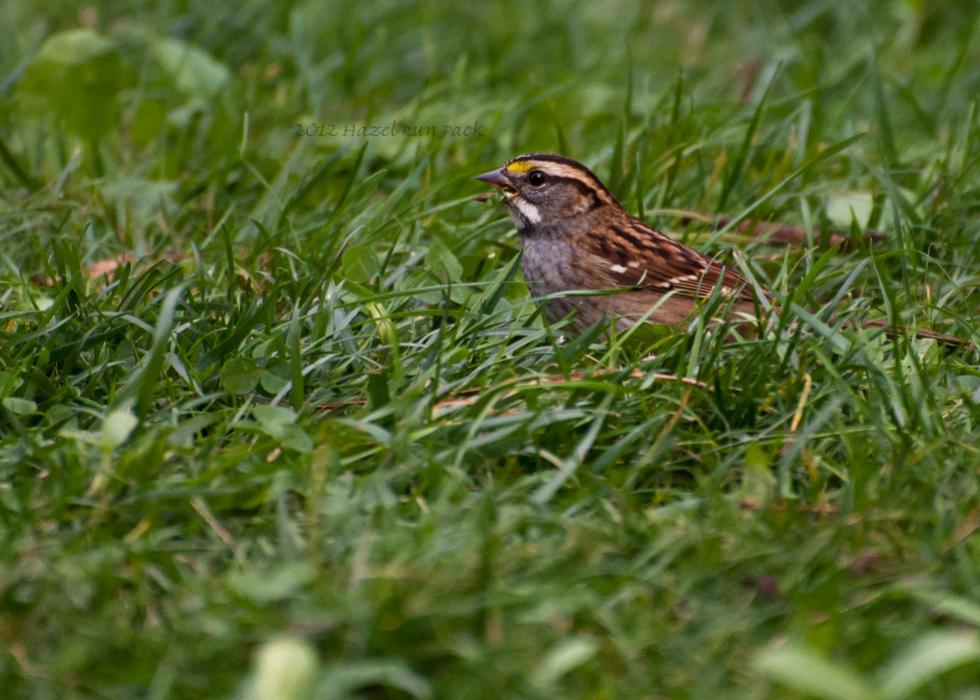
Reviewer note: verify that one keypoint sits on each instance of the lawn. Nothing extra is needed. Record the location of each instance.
(280, 420)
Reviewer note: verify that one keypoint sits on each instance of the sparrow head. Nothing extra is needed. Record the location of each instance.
(541, 189)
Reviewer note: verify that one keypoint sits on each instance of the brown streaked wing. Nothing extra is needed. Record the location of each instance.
(669, 265)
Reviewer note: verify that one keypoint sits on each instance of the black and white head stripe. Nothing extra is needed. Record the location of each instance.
(561, 168)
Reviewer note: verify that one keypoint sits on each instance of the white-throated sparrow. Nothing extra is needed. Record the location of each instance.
(577, 236)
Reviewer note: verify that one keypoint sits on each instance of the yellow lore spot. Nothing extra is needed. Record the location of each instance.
(521, 166)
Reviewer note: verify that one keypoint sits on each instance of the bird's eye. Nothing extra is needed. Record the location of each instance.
(536, 178)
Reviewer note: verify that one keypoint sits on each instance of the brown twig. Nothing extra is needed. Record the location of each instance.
(949, 340)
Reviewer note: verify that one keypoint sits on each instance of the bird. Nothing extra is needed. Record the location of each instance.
(577, 237)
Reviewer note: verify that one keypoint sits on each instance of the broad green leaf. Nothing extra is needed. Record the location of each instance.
(295, 438)
(275, 377)
(845, 207)
(279, 423)
(273, 418)
(564, 657)
(807, 672)
(240, 375)
(272, 584)
(758, 480)
(193, 71)
(359, 263)
(20, 407)
(75, 76)
(117, 427)
(925, 659)
(443, 262)
(285, 669)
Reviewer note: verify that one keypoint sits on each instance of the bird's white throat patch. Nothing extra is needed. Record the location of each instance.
(527, 210)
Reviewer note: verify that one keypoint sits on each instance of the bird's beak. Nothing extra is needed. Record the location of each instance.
(498, 179)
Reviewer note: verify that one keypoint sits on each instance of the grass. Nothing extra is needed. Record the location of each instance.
(309, 436)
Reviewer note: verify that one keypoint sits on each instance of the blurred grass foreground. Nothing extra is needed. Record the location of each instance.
(278, 418)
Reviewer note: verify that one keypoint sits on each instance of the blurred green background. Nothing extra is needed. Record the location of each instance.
(279, 421)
